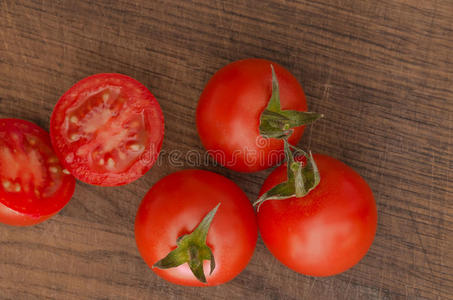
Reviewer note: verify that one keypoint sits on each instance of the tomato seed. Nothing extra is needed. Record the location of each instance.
(134, 147)
(101, 161)
(6, 184)
(70, 158)
(66, 172)
(53, 169)
(74, 119)
(110, 163)
(75, 137)
(17, 188)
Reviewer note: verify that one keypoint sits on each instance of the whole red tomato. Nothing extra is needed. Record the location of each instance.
(176, 205)
(325, 232)
(33, 184)
(107, 129)
(229, 110)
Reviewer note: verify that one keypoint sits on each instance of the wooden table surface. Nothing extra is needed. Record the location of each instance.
(380, 71)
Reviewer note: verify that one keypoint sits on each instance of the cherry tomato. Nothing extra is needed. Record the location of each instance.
(107, 129)
(229, 110)
(176, 205)
(325, 232)
(33, 184)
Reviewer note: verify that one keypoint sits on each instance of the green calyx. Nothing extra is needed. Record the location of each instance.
(192, 249)
(278, 123)
(302, 178)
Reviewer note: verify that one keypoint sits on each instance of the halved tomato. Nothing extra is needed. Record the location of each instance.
(33, 184)
(107, 129)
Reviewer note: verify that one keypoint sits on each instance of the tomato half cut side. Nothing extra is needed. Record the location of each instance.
(107, 129)
(33, 184)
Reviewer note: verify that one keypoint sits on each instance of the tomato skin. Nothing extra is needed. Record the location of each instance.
(113, 126)
(175, 206)
(229, 110)
(326, 232)
(14, 218)
(28, 161)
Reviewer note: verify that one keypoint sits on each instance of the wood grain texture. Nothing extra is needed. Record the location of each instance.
(380, 71)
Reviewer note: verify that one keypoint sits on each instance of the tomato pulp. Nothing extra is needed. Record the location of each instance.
(176, 205)
(34, 185)
(107, 129)
(229, 110)
(325, 232)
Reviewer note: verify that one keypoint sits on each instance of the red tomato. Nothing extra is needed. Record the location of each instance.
(34, 186)
(326, 232)
(107, 129)
(229, 110)
(176, 205)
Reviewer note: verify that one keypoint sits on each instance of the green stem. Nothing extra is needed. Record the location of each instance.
(277, 123)
(302, 178)
(192, 249)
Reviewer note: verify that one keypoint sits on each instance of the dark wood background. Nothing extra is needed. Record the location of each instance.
(380, 71)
